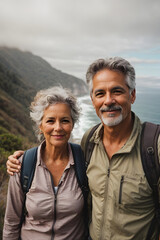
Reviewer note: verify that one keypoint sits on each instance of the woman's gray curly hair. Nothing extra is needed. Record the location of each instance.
(51, 96)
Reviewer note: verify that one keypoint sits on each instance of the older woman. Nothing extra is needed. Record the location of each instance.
(54, 203)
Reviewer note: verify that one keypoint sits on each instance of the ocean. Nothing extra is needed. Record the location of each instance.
(146, 106)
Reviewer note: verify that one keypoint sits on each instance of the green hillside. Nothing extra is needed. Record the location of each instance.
(38, 73)
(15, 98)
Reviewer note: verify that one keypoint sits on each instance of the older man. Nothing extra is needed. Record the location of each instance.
(122, 200)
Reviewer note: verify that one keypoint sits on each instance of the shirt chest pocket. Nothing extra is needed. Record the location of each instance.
(134, 193)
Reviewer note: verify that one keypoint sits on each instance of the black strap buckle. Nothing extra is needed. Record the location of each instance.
(150, 150)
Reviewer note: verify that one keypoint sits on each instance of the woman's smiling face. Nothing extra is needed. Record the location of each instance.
(57, 124)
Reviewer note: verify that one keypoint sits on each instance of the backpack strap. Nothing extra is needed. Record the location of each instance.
(26, 176)
(80, 168)
(80, 171)
(151, 166)
(28, 168)
(149, 152)
(89, 146)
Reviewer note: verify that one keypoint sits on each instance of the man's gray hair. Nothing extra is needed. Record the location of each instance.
(114, 64)
(52, 96)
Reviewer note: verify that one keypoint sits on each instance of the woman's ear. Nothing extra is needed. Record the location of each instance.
(40, 129)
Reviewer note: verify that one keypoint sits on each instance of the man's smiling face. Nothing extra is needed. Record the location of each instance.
(111, 97)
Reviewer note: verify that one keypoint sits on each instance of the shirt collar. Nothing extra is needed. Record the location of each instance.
(41, 149)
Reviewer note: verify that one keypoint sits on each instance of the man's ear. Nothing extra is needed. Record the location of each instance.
(133, 96)
(91, 96)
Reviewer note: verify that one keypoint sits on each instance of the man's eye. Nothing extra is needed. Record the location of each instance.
(99, 94)
(117, 92)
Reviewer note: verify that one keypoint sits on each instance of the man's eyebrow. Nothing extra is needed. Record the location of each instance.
(118, 87)
(114, 88)
(98, 90)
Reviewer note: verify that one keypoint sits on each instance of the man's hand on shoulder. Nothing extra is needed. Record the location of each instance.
(13, 164)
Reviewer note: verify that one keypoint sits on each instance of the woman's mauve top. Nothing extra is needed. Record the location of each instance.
(51, 215)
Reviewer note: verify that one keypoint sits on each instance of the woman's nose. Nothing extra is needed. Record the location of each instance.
(57, 126)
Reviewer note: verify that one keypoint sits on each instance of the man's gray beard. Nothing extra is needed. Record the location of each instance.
(112, 121)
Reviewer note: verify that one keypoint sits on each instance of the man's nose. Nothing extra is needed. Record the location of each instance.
(109, 99)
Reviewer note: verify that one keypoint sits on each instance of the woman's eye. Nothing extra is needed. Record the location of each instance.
(66, 121)
(50, 121)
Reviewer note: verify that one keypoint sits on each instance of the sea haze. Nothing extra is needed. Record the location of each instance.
(146, 106)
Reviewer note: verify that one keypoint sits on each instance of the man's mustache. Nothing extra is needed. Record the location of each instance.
(110, 108)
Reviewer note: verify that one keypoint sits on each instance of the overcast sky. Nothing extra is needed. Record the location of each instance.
(71, 34)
